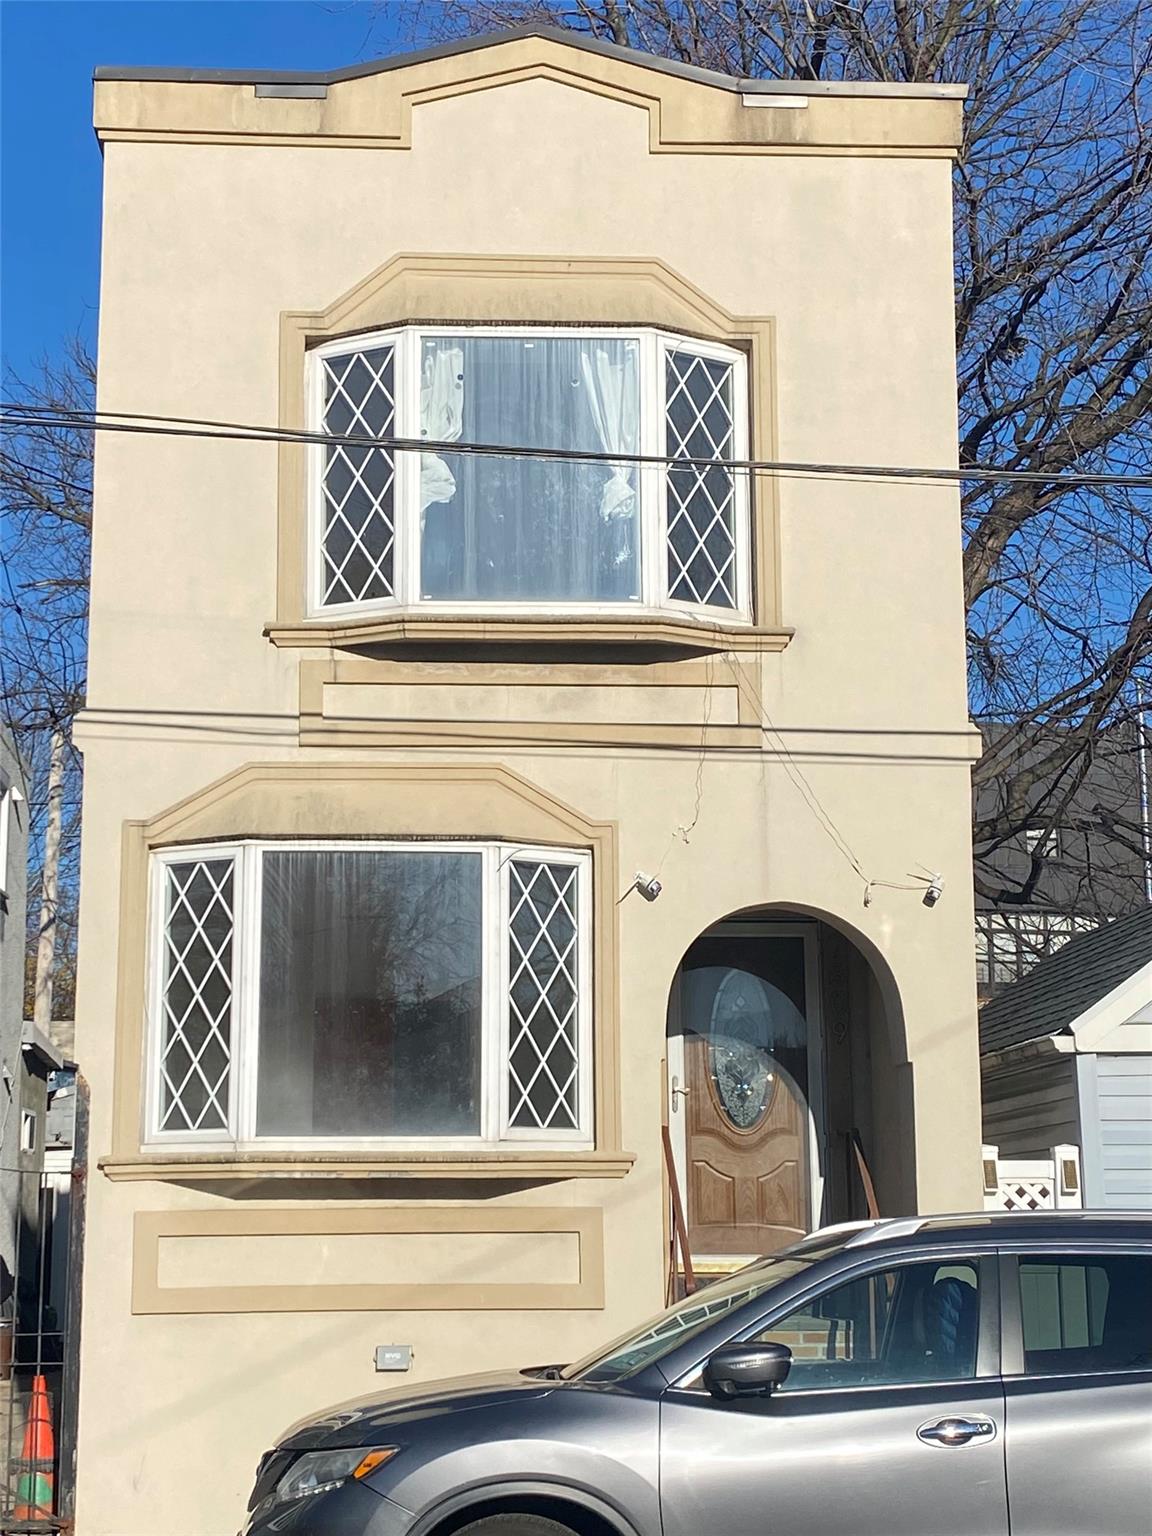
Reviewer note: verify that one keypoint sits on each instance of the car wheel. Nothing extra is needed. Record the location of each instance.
(516, 1525)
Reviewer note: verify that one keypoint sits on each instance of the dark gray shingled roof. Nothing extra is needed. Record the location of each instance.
(565, 35)
(1061, 988)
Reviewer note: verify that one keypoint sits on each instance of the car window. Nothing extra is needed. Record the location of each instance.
(911, 1323)
(682, 1321)
(1082, 1313)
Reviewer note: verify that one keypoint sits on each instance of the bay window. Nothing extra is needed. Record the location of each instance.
(448, 530)
(412, 993)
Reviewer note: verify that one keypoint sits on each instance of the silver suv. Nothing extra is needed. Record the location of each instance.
(942, 1376)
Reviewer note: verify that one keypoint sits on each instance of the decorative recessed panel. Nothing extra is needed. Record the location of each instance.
(368, 1259)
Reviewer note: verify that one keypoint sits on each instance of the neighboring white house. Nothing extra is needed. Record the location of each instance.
(13, 896)
(1066, 1057)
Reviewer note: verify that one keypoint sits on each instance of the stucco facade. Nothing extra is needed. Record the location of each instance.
(530, 182)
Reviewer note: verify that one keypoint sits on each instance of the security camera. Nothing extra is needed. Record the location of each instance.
(934, 892)
(648, 886)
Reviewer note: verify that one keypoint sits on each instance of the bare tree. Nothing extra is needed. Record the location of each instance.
(46, 501)
(1053, 239)
(1054, 335)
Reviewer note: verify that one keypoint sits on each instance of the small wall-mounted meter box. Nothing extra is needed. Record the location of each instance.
(393, 1357)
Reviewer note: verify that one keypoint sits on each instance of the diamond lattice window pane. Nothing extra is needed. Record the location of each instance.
(359, 483)
(543, 996)
(701, 497)
(196, 996)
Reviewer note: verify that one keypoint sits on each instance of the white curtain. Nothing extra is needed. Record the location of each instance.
(441, 418)
(521, 529)
(613, 394)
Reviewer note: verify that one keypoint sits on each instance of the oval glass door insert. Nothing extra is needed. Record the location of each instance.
(740, 1062)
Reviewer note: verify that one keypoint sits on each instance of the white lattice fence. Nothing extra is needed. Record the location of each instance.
(1033, 1184)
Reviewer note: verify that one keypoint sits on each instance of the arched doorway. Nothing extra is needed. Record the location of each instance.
(775, 1019)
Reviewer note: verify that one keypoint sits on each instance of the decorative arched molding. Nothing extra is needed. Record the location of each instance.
(877, 962)
(860, 1066)
(442, 289)
(887, 986)
(520, 289)
(380, 800)
(295, 799)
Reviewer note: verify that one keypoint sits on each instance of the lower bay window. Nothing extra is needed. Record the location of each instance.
(407, 994)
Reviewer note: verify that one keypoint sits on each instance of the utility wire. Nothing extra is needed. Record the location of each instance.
(812, 799)
(7, 695)
(19, 415)
(795, 773)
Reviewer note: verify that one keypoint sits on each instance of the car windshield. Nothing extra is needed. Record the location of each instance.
(681, 1321)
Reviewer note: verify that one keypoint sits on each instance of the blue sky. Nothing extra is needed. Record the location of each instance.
(50, 187)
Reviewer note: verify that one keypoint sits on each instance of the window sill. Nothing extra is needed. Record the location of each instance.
(503, 1164)
(645, 629)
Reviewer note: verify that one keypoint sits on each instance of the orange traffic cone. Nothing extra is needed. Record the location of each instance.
(34, 1483)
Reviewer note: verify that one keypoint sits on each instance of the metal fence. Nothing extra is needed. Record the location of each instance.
(40, 1343)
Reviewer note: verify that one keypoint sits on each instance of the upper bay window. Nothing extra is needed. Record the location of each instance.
(412, 993)
(453, 531)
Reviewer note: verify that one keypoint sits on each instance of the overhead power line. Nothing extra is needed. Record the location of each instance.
(19, 415)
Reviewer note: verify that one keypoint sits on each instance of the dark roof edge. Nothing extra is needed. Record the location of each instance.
(1043, 1037)
(563, 35)
(1044, 1004)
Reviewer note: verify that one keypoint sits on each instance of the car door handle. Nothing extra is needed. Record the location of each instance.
(956, 1431)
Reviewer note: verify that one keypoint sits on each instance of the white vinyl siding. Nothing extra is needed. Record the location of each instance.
(1029, 1105)
(1124, 1131)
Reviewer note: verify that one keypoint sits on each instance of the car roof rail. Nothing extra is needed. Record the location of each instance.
(899, 1226)
(839, 1228)
(906, 1226)
(858, 1234)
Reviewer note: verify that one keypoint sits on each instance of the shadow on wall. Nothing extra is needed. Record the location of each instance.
(329, 1189)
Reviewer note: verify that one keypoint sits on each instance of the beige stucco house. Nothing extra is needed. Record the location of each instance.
(385, 747)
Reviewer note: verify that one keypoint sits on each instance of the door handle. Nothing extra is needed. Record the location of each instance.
(678, 1092)
(956, 1431)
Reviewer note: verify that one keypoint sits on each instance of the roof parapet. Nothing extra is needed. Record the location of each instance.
(371, 106)
(930, 90)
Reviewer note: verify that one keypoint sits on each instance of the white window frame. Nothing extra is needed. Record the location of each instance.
(581, 1134)
(244, 1019)
(7, 800)
(1013, 943)
(651, 479)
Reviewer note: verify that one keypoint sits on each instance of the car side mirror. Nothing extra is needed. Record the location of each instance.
(747, 1370)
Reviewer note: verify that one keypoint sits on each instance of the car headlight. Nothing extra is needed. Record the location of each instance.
(318, 1471)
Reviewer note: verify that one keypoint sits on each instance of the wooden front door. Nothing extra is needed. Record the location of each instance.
(746, 1114)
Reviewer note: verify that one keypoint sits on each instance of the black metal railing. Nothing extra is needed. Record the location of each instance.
(40, 1340)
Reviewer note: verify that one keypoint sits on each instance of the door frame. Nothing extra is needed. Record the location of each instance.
(809, 932)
